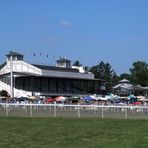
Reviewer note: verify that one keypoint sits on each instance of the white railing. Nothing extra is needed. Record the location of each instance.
(66, 110)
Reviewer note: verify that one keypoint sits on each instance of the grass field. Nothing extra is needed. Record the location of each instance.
(17, 132)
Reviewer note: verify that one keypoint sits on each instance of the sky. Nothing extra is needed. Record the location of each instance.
(91, 31)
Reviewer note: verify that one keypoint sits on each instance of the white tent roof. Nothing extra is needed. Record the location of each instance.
(124, 81)
(124, 86)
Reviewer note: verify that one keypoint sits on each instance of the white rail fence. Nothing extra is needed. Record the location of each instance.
(63, 110)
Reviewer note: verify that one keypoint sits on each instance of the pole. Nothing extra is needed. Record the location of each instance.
(78, 112)
(102, 110)
(55, 110)
(11, 73)
(31, 110)
(126, 109)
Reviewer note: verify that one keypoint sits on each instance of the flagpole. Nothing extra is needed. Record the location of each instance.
(11, 75)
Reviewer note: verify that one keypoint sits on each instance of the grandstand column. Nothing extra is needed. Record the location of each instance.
(32, 86)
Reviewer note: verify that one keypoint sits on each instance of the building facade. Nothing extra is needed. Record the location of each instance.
(20, 78)
(125, 88)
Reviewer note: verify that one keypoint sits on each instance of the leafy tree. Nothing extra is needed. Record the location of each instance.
(125, 76)
(4, 93)
(96, 71)
(105, 71)
(77, 63)
(139, 73)
(115, 79)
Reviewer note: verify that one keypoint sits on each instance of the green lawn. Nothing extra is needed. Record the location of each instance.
(16, 132)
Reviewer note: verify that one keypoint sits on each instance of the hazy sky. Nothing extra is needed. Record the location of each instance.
(115, 31)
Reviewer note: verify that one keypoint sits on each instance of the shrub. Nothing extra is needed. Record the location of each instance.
(4, 93)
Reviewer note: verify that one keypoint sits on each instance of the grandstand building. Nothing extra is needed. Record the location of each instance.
(20, 78)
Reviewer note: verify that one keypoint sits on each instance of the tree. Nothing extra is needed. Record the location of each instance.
(115, 79)
(105, 71)
(139, 73)
(125, 76)
(4, 93)
(96, 71)
(77, 63)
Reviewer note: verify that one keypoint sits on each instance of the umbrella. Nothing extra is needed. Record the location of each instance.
(22, 98)
(88, 98)
(131, 96)
(60, 98)
(101, 98)
(49, 100)
(137, 103)
(74, 98)
(118, 101)
(32, 97)
(141, 97)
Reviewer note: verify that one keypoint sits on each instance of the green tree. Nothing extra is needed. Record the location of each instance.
(4, 93)
(115, 79)
(105, 71)
(125, 76)
(139, 73)
(77, 63)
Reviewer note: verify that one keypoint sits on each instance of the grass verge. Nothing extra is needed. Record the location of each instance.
(16, 132)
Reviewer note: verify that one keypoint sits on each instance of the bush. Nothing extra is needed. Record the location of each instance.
(4, 93)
